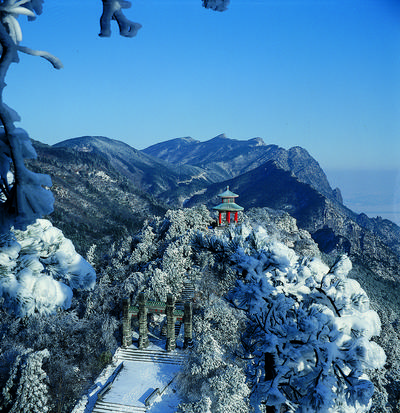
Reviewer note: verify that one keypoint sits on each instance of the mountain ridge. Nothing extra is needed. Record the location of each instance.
(94, 203)
(146, 172)
(334, 227)
(224, 158)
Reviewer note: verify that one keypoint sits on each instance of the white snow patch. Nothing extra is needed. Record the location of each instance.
(202, 175)
(137, 380)
(104, 176)
(134, 383)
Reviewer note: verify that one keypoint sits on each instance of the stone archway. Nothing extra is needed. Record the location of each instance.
(144, 308)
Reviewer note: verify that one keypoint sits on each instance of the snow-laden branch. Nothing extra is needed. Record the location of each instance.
(313, 322)
(112, 10)
(55, 61)
(24, 195)
(39, 269)
(217, 5)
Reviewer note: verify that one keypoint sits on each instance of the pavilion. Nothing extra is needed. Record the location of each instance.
(227, 206)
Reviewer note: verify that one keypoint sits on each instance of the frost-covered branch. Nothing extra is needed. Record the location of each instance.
(55, 61)
(309, 331)
(24, 194)
(217, 5)
(112, 10)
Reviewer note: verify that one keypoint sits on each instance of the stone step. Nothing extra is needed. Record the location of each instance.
(151, 360)
(180, 302)
(152, 352)
(156, 356)
(187, 292)
(106, 407)
(185, 297)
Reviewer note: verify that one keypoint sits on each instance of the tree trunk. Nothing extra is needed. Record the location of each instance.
(269, 374)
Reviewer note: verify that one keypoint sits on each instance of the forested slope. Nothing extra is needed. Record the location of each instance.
(264, 266)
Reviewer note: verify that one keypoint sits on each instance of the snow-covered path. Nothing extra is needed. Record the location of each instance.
(143, 372)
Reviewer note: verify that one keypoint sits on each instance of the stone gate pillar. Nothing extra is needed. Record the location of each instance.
(169, 310)
(188, 327)
(143, 331)
(126, 323)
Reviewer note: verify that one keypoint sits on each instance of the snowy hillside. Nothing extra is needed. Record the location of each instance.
(274, 325)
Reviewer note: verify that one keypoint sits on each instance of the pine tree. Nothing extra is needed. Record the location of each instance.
(309, 333)
(27, 388)
(212, 378)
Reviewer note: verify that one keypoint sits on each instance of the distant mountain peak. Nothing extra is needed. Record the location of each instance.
(89, 142)
(258, 141)
(188, 139)
(223, 158)
(220, 136)
(298, 150)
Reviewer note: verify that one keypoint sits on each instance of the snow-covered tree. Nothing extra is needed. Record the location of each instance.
(309, 330)
(213, 378)
(39, 268)
(78, 347)
(24, 195)
(158, 258)
(27, 387)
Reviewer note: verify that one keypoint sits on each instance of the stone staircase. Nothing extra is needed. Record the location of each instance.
(106, 407)
(187, 293)
(151, 356)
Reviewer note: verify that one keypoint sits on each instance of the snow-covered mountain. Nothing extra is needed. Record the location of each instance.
(288, 310)
(224, 158)
(148, 173)
(291, 180)
(94, 202)
(334, 227)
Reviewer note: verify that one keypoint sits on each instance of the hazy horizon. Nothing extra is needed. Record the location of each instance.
(373, 192)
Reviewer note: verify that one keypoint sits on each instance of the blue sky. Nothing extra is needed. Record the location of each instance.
(321, 74)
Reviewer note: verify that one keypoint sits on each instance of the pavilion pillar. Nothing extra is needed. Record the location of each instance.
(220, 218)
(143, 331)
(187, 323)
(228, 217)
(126, 323)
(236, 217)
(169, 310)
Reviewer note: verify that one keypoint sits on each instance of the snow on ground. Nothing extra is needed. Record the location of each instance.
(168, 402)
(137, 380)
(134, 383)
